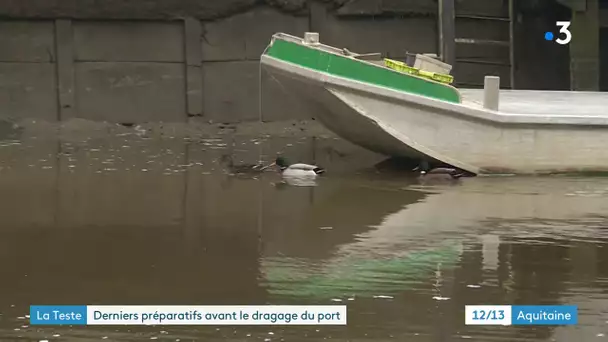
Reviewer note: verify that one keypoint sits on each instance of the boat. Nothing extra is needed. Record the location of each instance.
(398, 110)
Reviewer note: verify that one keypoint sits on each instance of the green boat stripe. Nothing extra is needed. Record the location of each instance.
(358, 276)
(360, 71)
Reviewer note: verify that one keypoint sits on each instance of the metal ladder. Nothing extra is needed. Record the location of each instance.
(449, 43)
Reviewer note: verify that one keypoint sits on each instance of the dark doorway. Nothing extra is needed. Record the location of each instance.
(540, 64)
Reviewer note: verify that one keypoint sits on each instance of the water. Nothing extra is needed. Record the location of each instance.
(107, 215)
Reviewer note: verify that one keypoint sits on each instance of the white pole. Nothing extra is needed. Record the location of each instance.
(491, 89)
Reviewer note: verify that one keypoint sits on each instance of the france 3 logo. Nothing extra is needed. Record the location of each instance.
(564, 34)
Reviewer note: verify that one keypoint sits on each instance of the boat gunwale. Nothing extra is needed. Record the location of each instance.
(340, 53)
(461, 109)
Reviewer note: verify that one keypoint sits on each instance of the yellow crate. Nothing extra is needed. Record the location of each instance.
(402, 67)
(443, 78)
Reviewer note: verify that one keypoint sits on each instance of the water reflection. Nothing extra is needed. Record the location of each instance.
(131, 217)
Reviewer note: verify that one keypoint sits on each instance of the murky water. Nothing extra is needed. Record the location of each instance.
(128, 216)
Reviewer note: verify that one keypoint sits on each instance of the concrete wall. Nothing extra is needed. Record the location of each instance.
(103, 61)
(585, 50)
(27, 70)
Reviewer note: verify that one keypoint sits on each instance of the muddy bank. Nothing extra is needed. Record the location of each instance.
(304, 141)
(192, 129)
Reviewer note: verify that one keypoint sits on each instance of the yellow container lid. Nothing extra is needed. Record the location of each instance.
(402, 67)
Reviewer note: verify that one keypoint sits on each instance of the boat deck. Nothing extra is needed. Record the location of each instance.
(539, 102)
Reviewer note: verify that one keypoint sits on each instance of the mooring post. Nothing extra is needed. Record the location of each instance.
(491, 90)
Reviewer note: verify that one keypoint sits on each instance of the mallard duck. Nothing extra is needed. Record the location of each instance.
(298, 169)
(241, 168)
(446, 172)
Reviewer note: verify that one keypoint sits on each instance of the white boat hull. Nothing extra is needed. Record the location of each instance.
(464, 135)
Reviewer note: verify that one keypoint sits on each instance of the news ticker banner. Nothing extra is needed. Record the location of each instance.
(276, 315)
(188, 315)
(521, 314)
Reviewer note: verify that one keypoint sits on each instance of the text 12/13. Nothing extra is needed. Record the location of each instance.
(521, 315)
(488, 315)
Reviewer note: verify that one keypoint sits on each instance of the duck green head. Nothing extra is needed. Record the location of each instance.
(423, 167)
(281, 162)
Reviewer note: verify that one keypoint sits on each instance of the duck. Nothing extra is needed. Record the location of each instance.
(297, 170)
(241, 168)
(444, 172)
